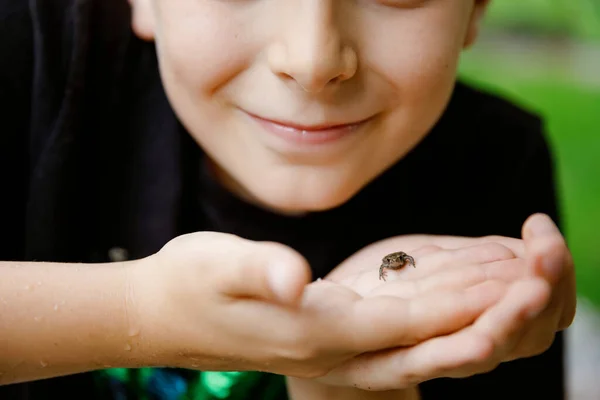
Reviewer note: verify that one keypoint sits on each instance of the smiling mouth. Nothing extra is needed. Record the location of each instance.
(317, 134)
(308, 128)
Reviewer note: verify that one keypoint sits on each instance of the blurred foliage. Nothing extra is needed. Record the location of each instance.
(553, 68)
(575, 18)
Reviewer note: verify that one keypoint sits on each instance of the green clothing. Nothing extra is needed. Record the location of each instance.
(172, 384)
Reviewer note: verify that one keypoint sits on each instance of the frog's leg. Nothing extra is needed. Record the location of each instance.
(382, 272)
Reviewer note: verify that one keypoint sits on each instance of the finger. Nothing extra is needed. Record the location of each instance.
(324, 293)
(539, 225)
(458, 278)
(439, 357)
(425, 250)
(432, 262)
(546, 247)
(549, 257)
(474, 254)
(490, 339)
(538, 337)
(451, 242)
(505, 324)
(386, 321)
(545, 242)
(540, 332)
(566, 294)
(506, 271)
(460, 354)
(268, 271)
(569, 300)
(272, 333)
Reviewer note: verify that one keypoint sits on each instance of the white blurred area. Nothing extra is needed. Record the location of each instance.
(583, 353)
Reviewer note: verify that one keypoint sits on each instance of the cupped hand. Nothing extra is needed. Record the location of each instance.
(213, 301)
(540, 301)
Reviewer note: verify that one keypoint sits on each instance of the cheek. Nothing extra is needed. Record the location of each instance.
(200, 48)
(416, 54)
(411, 58)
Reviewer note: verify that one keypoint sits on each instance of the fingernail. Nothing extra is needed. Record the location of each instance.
(543, 225)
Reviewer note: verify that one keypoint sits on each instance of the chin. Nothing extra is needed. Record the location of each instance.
(299, 199)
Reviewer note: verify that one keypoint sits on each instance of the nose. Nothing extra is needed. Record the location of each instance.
(312, 52)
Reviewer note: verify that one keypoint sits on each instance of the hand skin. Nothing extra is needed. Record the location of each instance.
(540, 301)
(200, 301)
(206, 301)
(438, 271)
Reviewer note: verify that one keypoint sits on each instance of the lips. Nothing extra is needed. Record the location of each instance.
(317, 134)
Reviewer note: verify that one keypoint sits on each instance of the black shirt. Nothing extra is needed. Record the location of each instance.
(93, 157)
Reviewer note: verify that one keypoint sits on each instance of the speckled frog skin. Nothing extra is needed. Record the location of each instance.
(395, 261)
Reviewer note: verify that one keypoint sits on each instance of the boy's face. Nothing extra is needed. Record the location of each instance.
(301, 103)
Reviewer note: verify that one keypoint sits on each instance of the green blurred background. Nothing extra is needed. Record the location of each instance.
(545, 55)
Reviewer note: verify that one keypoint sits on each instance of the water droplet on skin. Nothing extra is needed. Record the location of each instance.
(27, 287)
(56, 307)
(127, 347)
(37, 319)
(39, 283)
(43, 363)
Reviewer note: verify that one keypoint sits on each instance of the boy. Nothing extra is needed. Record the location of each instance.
(323, 125)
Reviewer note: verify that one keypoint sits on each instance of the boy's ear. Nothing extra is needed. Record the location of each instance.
(142, 19)
(477, 14)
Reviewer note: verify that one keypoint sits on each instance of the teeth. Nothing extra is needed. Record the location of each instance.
(287, 128)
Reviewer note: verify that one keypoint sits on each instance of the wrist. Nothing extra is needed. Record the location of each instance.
(129, 342)
(159, 332)
(145, 309)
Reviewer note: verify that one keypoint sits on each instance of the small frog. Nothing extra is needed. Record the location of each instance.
(395, 260)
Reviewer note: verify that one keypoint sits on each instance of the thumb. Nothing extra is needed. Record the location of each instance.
(269, 271)
(545, 247)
